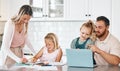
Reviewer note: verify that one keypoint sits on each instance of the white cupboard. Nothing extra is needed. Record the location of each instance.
(89, 9)
(48, 9)
(58, 9)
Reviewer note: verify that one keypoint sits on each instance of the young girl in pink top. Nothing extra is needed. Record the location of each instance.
(51, 52)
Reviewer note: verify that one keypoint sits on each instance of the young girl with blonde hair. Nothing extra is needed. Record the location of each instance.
(51, 52)
(87, 36)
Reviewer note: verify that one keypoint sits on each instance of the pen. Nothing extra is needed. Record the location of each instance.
(47, 65)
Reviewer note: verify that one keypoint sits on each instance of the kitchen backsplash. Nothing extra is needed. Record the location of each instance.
(66, 31)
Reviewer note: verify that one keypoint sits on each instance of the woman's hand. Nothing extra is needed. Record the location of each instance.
(24, 60)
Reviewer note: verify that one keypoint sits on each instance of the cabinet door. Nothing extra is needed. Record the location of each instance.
(63, 9)
(55, 8)
(100, 8)
(78, 9)
(88, 9)
(38, 8)
(48, 9)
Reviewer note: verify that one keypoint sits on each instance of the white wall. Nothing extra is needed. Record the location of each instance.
(10, 7)
(116, 18)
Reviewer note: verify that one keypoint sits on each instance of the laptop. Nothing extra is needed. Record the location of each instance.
(79, 58)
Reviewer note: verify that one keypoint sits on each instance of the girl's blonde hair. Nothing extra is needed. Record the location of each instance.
(90, 24)
(54, 38)
(25, 9)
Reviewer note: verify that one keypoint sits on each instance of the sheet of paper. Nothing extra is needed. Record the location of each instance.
(45, 67)
(37, 67)
(34, 66)
(56, 63)
(21, 66)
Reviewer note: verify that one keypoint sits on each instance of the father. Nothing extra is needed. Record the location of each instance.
(107, 47)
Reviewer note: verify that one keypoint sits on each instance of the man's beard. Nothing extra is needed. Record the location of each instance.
(102, 34)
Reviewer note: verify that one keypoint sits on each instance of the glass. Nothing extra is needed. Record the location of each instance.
(47, 8)
(37, 8)
(56, 8)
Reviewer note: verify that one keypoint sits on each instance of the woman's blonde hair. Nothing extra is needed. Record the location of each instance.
(54, 38)
(90, 24)
(25, 9)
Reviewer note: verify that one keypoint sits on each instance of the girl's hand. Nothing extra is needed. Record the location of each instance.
(46, 62)
(24, 60)
(33, 60)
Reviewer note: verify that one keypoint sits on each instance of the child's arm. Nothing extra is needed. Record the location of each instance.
(38, 55)
(59, 56)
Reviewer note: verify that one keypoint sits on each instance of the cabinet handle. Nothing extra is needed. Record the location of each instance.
(89, 15)
(45, 15)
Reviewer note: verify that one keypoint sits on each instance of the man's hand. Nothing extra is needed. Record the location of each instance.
(94, 48)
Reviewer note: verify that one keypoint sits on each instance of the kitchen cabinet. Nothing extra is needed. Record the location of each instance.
(48, 9)
(58, 9)
(89, 9)
(9, 8)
